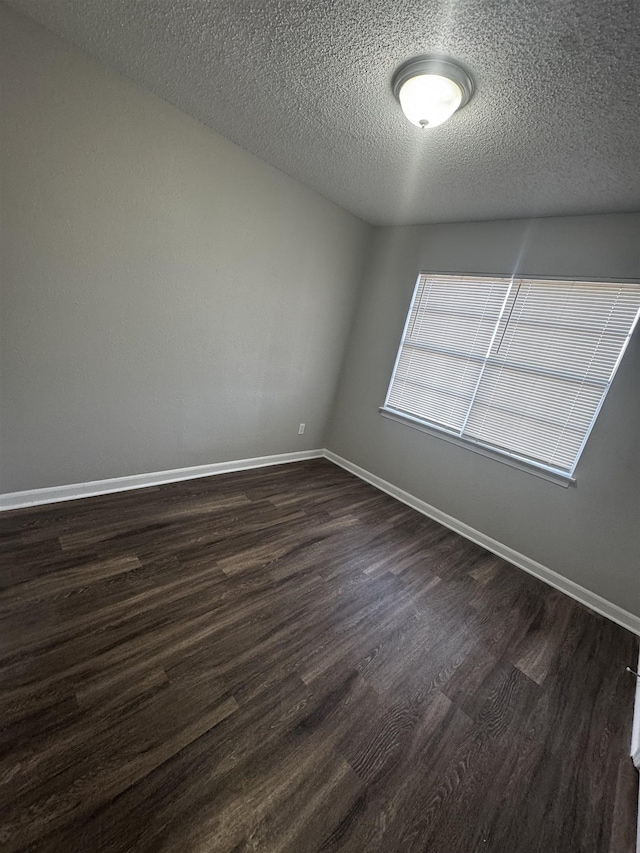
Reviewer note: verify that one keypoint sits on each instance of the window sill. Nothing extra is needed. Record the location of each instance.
(551, 476)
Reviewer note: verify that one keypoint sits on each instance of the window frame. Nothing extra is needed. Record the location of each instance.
(510, 458)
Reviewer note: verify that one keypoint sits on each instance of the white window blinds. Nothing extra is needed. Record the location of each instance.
(518, 365)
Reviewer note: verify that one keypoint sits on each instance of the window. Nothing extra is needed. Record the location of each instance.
(520, 366)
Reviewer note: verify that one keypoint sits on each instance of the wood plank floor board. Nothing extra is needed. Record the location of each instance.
(537, 650)
(390, 774)
(287, 659)
(488, 750)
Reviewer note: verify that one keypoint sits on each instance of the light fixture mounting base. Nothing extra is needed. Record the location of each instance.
(434, 65)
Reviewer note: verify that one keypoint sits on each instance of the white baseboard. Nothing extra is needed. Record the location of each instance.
(36, 497)
(570, 588)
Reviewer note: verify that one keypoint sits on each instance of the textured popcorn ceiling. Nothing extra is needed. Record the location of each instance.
(306, 84)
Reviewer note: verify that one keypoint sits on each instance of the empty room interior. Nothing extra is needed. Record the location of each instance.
(320, 426)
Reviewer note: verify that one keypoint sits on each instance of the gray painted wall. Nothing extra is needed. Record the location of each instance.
(590, 533)
(167, 298)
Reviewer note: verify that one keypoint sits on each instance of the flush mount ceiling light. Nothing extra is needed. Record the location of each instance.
(431, 90)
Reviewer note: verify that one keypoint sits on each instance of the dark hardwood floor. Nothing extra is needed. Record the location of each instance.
(286, 659)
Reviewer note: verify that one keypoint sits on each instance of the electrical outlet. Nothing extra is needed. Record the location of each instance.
(301, 429)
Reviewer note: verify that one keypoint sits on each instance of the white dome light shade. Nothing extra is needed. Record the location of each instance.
(430, 90)
(429, 99)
